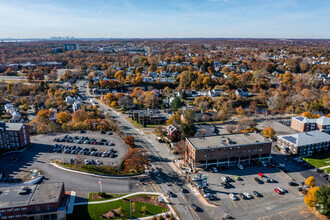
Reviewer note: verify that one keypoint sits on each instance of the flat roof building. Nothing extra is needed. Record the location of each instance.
(304, 144)
(41, 201)
(228, 149)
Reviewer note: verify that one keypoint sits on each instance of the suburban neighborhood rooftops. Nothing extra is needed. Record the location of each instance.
(306, 138)
(226, 140)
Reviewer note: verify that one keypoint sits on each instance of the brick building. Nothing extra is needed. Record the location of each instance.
(148, 117)
(303, 124)
(226, 150)
(44, 201)
(304, 144)
(14, 135)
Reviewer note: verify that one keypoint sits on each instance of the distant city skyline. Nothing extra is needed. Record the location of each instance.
(165, 19)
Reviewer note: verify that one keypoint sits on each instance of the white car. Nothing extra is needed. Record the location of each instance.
(215, 169)
(232, 196)
(263, 163)
(281, 165)
(281, 189)
(247, 195)
(206, 195)
(87, 162)
(240, 166)
(224, 179)
(98, 162)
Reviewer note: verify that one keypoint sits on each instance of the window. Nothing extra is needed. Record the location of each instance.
(17, 209)
(38, 208)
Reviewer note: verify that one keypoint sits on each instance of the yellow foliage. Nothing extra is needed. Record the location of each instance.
(310, 198)
(268, 132)
(310, 181)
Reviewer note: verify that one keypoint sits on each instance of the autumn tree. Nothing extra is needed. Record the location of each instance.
(268, 132)
(133, 206)
(129, 141)
(63, 117)
(310, 181)
(174, 119)
(136, 160)
(188, 116)
(79, 116)
(310, 199)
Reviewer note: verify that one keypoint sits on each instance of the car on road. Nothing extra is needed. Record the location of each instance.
(109, 133)
(194, 207)
(257, 194)
(277, 191)
(240, 166)
(247, 195)
(281, 189)
(232, 196)
(293, 184)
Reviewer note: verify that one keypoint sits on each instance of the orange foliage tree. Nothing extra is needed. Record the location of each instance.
(63, 117)
(129, 140)
(310, 198)
(310, 181)
(136, 161)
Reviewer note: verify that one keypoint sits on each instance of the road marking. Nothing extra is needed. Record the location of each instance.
(233, 203)
(190, 207)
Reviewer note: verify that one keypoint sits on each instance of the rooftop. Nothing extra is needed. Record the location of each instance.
(14, 126)
(306, 138)
(221, 140)
(36, 194)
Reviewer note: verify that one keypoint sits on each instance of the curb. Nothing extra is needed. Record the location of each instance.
(96, 175)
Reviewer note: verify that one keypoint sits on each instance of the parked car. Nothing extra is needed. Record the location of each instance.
(257, 194)
(232, 196)
(242, 196)
(277, 191)
(247, 195)
(215, 169)
(237, 178)
(240, 166)
(224, 179)
(98, 162)
(257, 180)
(109, 133)
(281, 189)
(293, 184)
(263, 163)
(87, 162)
(260, 174)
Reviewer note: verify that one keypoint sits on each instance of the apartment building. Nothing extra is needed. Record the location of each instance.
(304, 144)
(14, 135)
(303, 124)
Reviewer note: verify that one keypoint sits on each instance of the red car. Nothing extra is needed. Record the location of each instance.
(260, 174)
(277, 191)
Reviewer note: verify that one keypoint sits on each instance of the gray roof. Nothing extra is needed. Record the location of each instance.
(37, 194)
(305, 120)
(220, 140)
(323, 121)
(306, 138)
(14, 126)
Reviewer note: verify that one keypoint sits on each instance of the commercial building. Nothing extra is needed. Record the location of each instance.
(14, 135)
(303, 124)
(304, 144)
(226, 150)
(44, 201)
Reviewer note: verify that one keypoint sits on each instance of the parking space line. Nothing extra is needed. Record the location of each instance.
(233, 203)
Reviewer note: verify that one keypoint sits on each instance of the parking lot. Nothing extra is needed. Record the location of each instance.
(89, 148)
(267, 204)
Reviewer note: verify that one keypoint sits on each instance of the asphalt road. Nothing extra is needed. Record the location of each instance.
(163, 177)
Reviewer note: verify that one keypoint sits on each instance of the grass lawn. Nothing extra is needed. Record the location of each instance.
(319, 160)
(108, 196)
(94, 211)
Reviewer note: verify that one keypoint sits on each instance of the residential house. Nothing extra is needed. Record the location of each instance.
(243, 92)
(173, 132)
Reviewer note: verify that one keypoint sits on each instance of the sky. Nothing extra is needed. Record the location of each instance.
(165, 18)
